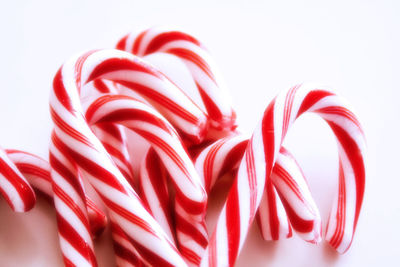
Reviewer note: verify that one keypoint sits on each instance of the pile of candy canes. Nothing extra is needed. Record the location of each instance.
(157, 216)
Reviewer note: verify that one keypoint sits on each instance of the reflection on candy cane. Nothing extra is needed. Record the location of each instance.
(259, 160)
(95, 163)
(214, 96)
(14, 187)
(149, 124)
(37, 171)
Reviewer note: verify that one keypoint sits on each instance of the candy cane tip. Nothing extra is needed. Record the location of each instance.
(29, 198)
(225, 123)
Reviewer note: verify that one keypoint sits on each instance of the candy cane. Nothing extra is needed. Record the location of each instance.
(225, 155)
(69, 199)
(214, 96)
(37, 172)
(146, 122)
(290, 183)
(125, 253)
(112, 136)
(153, 190)
(260, 157)
(140, 77)
(14, 187)
(88, 153)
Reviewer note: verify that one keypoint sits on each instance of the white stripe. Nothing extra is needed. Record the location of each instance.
(72, 254)
(153, 200)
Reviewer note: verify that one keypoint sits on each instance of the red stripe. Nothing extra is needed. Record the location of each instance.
(288, 180)
(97, 219)
(70, 177)
(120, 64)
(189, 205)
(252, 180)
(312, 98)
(233, 158)
(186, 227)
(167, 149)
(23, 189)
(209, 163)
(298, 223)
(78, 68)
(29, 169)
(60, 91)
(166, 37)
(122, 43)
(162, 100)
(130, 114)
(190, 255)
(213, 110)
(71, 203)
(270, 194)
(343, 112)
(288, 108)
(131, 217)
(268, 134)
(233, 223)
(136, 45)
(97, 171)
(75, 240)
(112, 129)
(355, 157)
(66, 128)
(127, 255)
(101, 86)
(158, 180)
(189, 55)
(152, 258)
(339, 230)
(115, 153)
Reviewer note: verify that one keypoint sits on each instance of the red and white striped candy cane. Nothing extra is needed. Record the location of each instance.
(112, 136)
(150, 125)
(291, 185)
(69, 200)
(225, 155)
(214, 96)
(139, 76)
(153, 190)
(125, 253)
(196, 58)
(95, 163)
(37, 172)
(14, 187)
(260, 158)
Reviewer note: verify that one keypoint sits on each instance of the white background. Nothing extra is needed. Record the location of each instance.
(261, 48)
